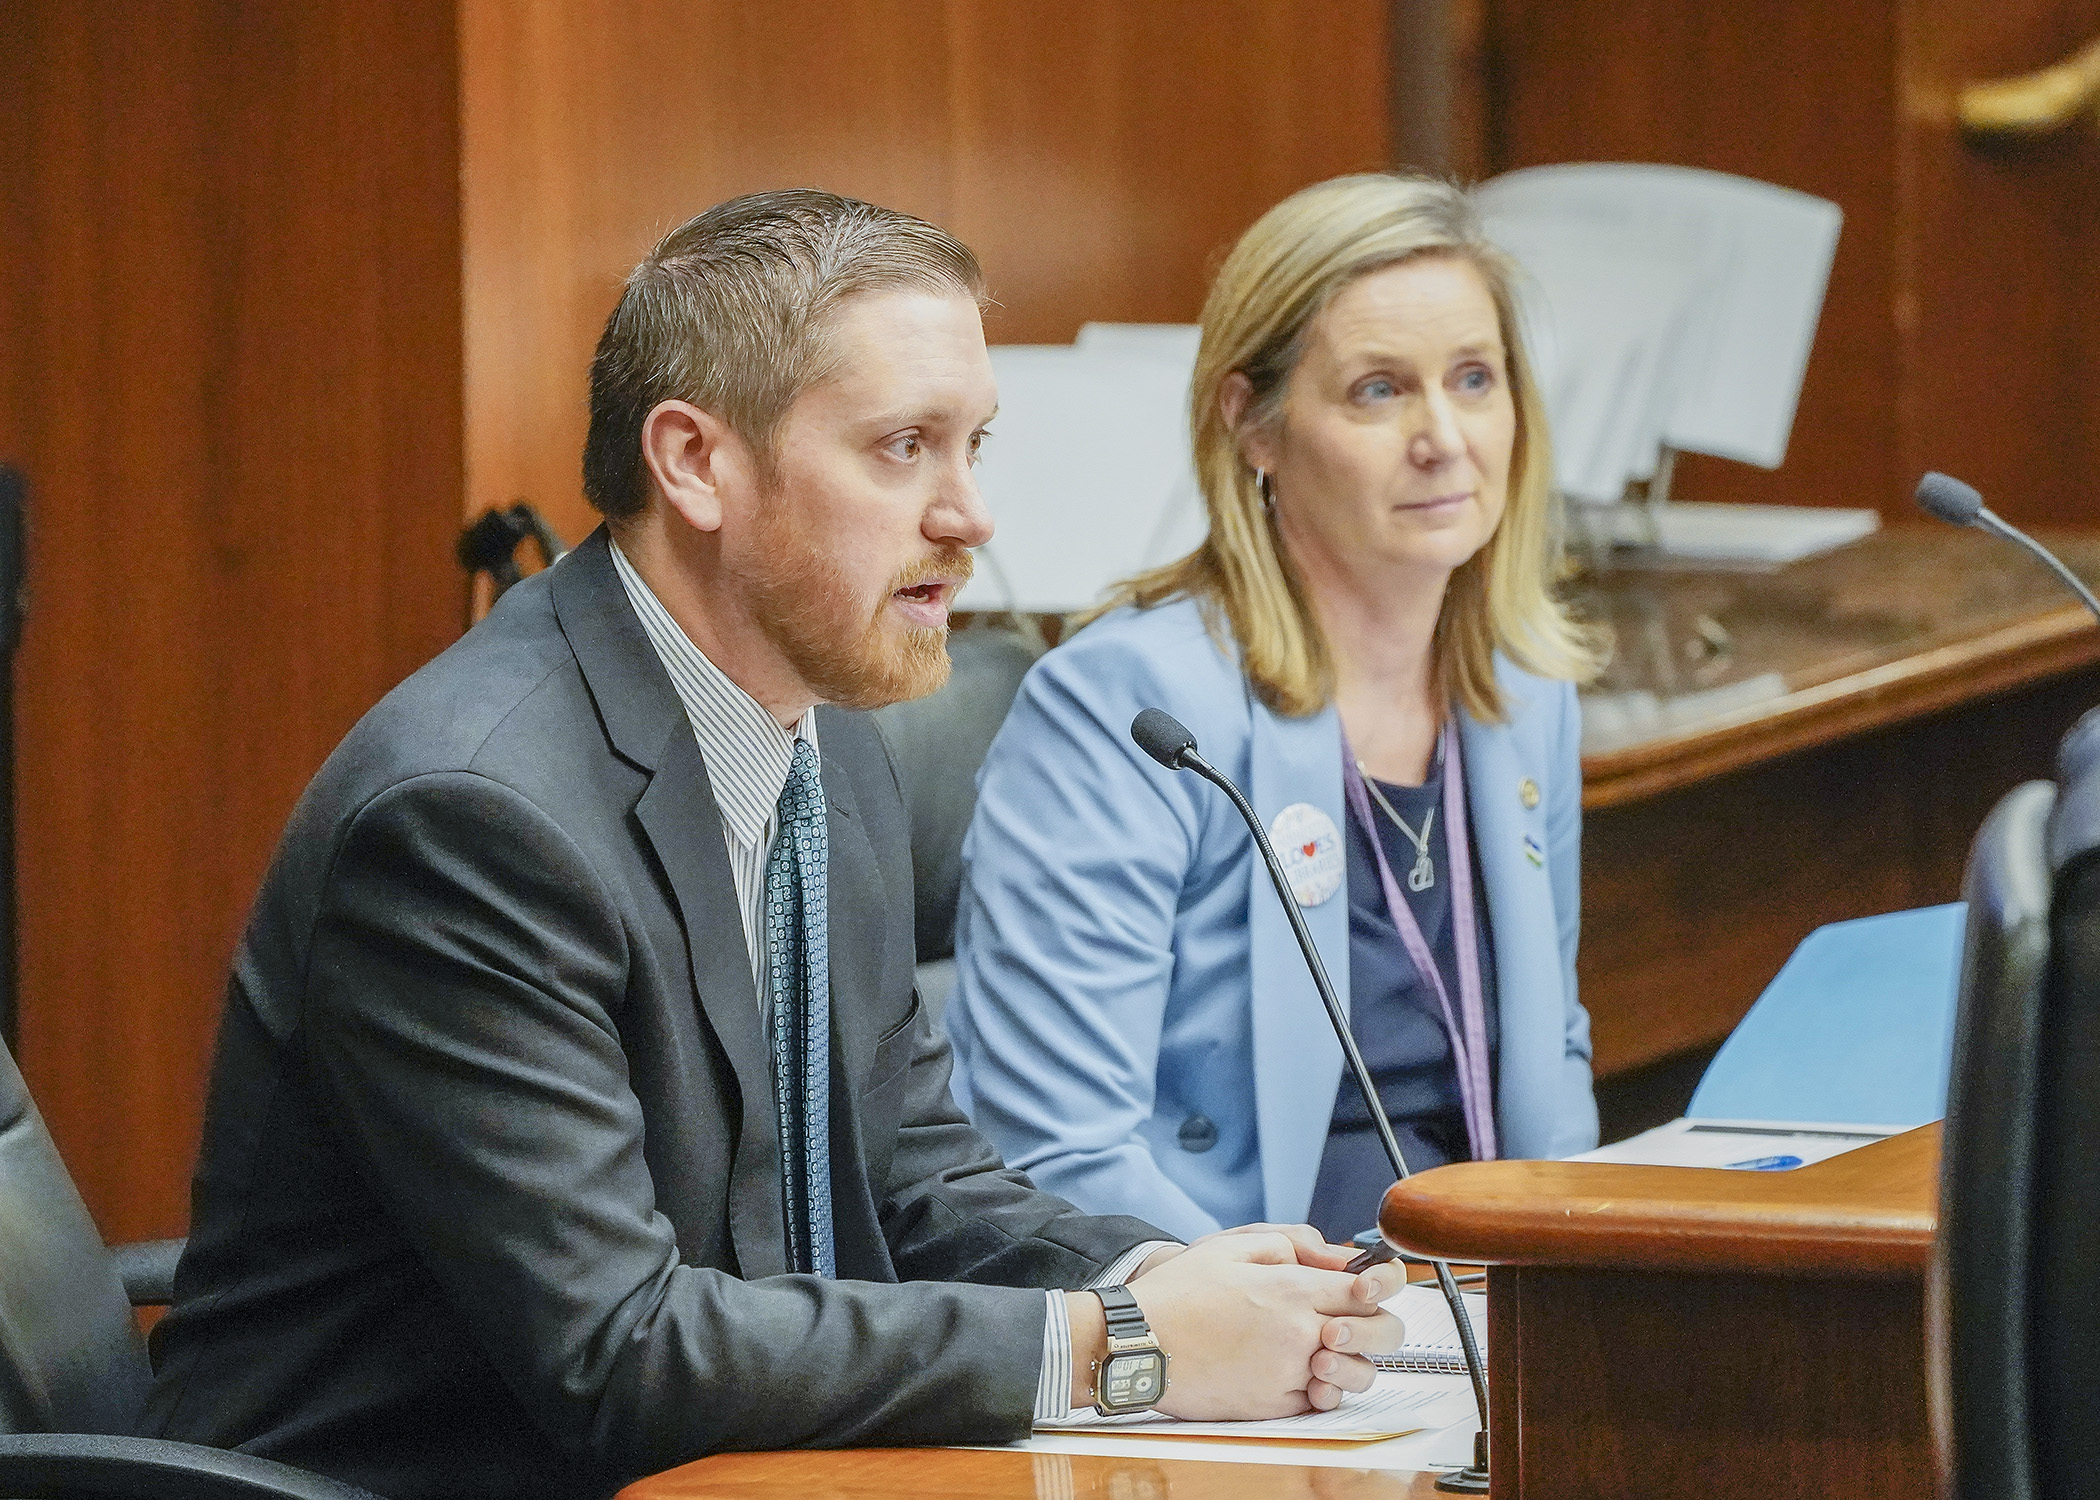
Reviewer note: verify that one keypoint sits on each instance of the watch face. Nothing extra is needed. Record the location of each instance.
(1132, 1381)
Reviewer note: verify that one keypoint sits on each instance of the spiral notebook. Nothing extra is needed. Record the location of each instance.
(1430, 1343)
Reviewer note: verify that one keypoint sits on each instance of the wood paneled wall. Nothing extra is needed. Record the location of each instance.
(1800, 95)
(1998, 290)
(275, 279)
(1098, 155)
(229, 293)
(286, 287)
(1962, 328)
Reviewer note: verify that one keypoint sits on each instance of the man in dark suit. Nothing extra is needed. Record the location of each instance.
(574, 1114)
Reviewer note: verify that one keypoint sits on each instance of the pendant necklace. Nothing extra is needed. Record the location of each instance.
(1423, 875)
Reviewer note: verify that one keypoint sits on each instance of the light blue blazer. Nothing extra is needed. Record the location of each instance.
(1122, 962)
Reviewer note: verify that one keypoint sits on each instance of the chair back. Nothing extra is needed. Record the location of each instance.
(2013, 1346)
(71, 1359)
(938, 743)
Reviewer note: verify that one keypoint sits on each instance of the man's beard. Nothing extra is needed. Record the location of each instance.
(809, 610)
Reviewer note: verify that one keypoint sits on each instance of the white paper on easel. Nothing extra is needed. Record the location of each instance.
(1176, 342)
(1611, 322)
(1087, 473)
(1766, 253)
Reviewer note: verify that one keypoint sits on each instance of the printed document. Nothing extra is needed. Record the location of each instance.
(1391, 1408)
(1746, 1145)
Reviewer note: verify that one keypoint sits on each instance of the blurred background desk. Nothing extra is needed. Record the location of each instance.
(1773, 751)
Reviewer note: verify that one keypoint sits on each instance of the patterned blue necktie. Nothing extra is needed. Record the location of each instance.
(798, 962)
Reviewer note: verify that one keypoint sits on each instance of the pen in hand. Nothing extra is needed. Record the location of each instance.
(1377, 1255)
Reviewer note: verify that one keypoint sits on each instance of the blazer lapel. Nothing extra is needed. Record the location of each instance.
(1297, 1061)
(679, 818)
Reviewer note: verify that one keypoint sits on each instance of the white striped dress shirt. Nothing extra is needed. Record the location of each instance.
(746, 752)
(748, 756)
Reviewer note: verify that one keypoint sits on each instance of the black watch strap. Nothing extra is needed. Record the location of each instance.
(1126, 1320)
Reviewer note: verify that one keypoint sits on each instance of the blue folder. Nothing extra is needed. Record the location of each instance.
(1857, 1029)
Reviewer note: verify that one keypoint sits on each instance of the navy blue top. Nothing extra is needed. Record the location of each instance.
(1396, 1021)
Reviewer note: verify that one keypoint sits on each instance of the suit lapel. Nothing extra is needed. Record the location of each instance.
(682, 825)
(857, 905)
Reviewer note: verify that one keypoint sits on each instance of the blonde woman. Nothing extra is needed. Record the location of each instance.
(1369, 643)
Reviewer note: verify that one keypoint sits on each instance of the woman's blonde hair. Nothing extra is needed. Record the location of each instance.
(1276, 281)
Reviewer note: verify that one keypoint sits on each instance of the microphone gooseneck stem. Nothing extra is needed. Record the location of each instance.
(1340, 1020)
(2002, 527)
(1335, 1013)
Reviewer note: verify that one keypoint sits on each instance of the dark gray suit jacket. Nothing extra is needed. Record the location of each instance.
(489, 1197)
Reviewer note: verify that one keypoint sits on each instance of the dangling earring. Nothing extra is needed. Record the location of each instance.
(1266, 490)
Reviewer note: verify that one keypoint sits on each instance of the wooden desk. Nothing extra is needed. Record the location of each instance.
(1733, 669)
(1657, 1332)
(1664, 1331)
(939, 1473)
(935, 1473)
(1815, 743)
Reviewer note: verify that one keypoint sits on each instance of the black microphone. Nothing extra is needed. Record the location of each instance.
(1167, 740)
(1959, 504)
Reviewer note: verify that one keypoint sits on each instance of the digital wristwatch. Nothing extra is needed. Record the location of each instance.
(1132, 1376)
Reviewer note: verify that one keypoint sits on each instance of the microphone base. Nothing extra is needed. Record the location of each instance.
(1473, 1478)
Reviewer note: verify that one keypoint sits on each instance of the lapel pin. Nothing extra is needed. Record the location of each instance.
(1534, 851)
(1528, 793)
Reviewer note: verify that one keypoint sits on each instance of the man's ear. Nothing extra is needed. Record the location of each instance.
(686, 450)
(1235, 395)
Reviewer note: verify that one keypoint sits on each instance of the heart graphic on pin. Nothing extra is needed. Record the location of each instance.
(1309, 847)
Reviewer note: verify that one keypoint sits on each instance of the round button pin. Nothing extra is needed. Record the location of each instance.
(1309, 847)
(1528, 793)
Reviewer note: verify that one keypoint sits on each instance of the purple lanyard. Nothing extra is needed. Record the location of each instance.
(1468, 1028)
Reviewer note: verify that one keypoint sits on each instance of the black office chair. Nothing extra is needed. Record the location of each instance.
(937, 743)
(2013, 1348)
(73, 1372)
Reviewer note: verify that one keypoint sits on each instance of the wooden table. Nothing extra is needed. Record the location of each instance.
(931, 1473)
(939, 1473)
(1656, 1332)
(1820, 742)
(1665, 1331)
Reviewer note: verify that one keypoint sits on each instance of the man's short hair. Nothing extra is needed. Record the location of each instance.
(731, 311)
